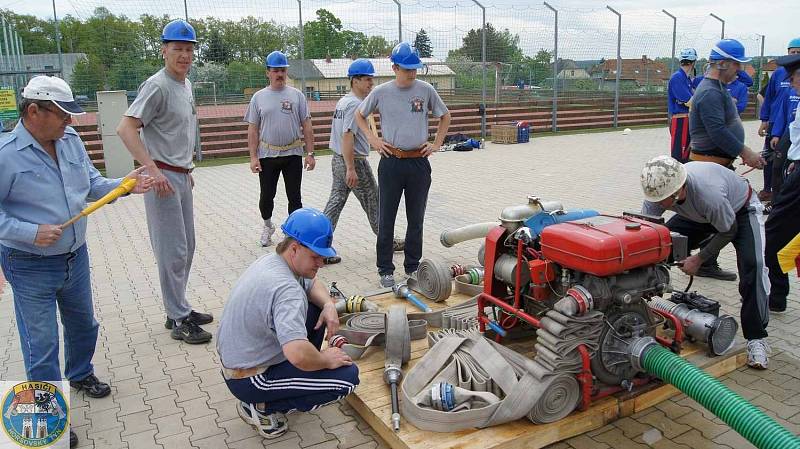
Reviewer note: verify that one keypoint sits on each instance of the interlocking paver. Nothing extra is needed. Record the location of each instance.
(177, 386)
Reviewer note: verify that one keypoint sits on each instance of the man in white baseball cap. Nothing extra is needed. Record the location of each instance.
(46, 177)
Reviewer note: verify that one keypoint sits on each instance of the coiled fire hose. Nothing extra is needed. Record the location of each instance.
(743, 417)
(433, 280)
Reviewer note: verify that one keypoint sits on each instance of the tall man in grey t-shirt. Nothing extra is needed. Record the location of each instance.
(350, 167)
(273, 326)
(160, 131)
(277, 118)
(404, 168)
(709, 199)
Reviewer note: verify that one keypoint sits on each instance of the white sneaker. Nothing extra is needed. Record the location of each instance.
(268, 426)
(757, 351)
(266, 235)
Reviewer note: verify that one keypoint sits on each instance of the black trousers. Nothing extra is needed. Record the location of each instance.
(768, 171)
(271, 169)
(782, 226)
(397, 177)
(753, 280)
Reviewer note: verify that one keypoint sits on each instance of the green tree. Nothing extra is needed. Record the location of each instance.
(377, 46)
(88, 76)
(501, 46)
(354, 43)
(37, 35)
(322, 37)
(215, 48)
(423, 43)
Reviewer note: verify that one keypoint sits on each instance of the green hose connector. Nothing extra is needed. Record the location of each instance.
(742, 416)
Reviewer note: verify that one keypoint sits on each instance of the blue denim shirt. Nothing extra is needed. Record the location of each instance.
(35, 189)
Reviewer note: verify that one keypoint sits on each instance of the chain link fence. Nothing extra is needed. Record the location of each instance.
(475, 52)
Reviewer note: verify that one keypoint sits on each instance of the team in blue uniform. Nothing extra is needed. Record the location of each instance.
(679, 92)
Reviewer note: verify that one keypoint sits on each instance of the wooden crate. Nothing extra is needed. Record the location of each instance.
(373, 402)
(504, 133)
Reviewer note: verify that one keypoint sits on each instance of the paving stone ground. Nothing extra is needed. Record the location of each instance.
(167, 394)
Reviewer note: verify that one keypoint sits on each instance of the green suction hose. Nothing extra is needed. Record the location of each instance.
(740, 415)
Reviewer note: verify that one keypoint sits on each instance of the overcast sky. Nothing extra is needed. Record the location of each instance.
(586, 29)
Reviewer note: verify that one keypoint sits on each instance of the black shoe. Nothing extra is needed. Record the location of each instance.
(191, 333)
(73, 439)
(777, 308)
(92, 387)
(332, 260)
(715, 272)
(196, 317)
(398, 245)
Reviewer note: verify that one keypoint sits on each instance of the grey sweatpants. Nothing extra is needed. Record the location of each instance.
(366, 191)
(170, 222)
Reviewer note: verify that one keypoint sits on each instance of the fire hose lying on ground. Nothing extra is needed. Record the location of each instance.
(593, 289)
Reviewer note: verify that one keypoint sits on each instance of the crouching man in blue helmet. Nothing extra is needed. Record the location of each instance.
(350, 167)
(279, 126)
(273, 326)
(160, 131)
(404, 168)
(679, 92)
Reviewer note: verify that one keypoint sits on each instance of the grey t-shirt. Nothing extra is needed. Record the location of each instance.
(344, 121)
(267, 308)
(279, 115)
(404, 112)
(166, 108)
(713, 195)
(714, 123)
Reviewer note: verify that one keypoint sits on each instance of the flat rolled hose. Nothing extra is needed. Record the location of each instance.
(433, 280)
(558, 400)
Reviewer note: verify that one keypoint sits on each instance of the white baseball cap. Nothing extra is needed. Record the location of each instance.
(54, 89)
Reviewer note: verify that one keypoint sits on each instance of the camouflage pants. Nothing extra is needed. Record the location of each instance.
(366, 191)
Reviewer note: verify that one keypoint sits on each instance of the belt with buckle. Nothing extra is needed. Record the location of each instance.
(402, 154)
(724, 161)
(165, 166)
(269, 146)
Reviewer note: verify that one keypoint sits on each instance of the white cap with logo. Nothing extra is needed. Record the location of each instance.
(54, 89)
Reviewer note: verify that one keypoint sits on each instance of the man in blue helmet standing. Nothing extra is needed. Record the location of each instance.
(350, 168)
(273, 326)
(164, 111)
(679, 92)
(404, 168)
(717, 132)
(279, 126)
(780, 100)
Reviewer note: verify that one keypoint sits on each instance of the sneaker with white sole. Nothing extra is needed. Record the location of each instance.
(757, 354)
(269, 426)
(266, 234)
(387, 280)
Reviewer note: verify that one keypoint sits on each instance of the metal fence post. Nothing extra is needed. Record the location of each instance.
(302, 48)
(58, 41)
(555, 67)
(722, 34)
(760, 71)
(619, 65)
(399, 21)
(185, 10)
(674, 29)
(483, 70)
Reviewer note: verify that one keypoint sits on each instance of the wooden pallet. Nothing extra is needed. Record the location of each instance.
(372, 400)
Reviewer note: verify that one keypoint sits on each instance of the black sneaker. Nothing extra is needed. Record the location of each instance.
(191, 333)
(73, 439)
(196, 317)
(92, 387)
(714, 271)
(332, 260)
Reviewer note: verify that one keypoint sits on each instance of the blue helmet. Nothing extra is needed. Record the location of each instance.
(794, 43)
(361, 67)
(311, 229)
(406, 56)
(688, 54)
(178, 30)
(276, 59)
(728, 49)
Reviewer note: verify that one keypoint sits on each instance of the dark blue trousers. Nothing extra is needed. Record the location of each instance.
(397, 177)
(285, 388)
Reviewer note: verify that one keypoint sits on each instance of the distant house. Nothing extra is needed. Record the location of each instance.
(567, 69)
(330, 75)
(635, 73)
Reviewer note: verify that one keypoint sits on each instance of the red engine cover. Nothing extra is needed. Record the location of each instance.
(606, 245)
